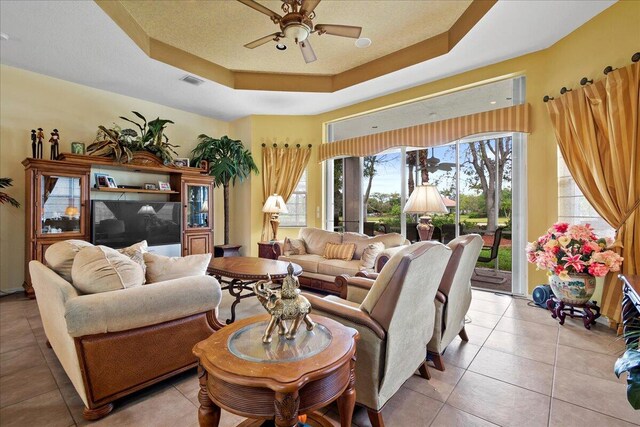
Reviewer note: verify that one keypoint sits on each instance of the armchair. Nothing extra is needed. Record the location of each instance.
(454, 296)
(395, 322)
(114, 343)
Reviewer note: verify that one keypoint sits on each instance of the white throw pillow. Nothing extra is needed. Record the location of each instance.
(60, 256)
(370, 254)
(136, 253)
(293, 247)
(102, 269)
(161, 268)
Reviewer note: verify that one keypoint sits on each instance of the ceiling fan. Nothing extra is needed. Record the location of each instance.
(434, 164)
(297, 25)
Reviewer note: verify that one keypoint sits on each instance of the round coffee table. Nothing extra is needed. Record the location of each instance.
(245, 271)
(280, 380)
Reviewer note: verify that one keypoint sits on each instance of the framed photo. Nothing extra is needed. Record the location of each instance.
(164, 186)
(77, 148)
(150, 186)
(204, 165)
(101, 180)
(181, 162)
(111, 182)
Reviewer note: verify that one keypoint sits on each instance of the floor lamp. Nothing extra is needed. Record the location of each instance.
(275, 205)
(425, 199)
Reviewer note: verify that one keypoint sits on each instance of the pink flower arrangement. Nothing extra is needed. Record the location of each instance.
(573, 249)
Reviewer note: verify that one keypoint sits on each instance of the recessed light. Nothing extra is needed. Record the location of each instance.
(374, 127)
(509, 99)
(492, 102)
(192, 80)
(281, 46)
(433, 116)
(4, 36)
(363, 42)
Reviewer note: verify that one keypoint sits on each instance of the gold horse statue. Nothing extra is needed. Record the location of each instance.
(284, 305)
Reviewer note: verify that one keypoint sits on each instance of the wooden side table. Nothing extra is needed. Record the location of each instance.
(267, 250)
(226, 250)
(280, 380)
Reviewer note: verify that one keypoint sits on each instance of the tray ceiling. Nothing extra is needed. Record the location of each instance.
(208, 38)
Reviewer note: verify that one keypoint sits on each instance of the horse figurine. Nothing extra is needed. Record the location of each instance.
(283, 305)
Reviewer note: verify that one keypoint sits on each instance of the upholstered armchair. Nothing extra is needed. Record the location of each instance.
(395, 322)
(114, 343)
(454, 296)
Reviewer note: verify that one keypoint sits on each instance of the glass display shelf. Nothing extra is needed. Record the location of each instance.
(246, 343)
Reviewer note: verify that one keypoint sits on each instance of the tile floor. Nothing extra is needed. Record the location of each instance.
(520, 368)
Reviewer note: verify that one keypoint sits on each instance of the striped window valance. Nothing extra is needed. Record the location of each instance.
(510, 119)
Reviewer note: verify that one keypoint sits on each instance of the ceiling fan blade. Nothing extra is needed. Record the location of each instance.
(339, 30)
(260, 8)
(307, 51)
(308, 6)
(262, 40)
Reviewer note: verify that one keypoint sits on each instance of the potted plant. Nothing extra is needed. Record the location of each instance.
(574, 256)
(4, 197)
(630, 362)
(228, 160)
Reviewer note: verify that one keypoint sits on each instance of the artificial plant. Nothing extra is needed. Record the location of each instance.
(228, 161)
(629, 362)
(4, 197)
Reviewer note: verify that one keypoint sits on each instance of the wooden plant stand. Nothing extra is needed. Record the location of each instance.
(560, 310)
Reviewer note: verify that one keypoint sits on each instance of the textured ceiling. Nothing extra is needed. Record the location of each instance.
(218, 30)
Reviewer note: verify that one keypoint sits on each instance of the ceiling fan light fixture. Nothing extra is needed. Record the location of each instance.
(297, 31)
(363, 42)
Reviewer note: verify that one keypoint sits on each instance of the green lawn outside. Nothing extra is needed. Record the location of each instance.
(386, 219)
(504, 258)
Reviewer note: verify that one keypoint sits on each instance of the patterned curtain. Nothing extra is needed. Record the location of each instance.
(282, 168)
(597, 130)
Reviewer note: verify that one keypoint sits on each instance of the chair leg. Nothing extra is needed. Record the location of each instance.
(424, 371)
(438, 361)
(375, 417)
(463, 335)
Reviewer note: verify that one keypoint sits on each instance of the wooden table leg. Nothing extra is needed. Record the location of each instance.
(347, 400)
(286, 408)
(209, 412)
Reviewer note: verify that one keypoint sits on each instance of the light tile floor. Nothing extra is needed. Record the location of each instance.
(519, 368)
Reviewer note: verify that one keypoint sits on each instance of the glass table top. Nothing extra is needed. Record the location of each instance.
(246, 343)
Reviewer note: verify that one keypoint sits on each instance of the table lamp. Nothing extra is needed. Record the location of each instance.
(425, 199)
(275, 206)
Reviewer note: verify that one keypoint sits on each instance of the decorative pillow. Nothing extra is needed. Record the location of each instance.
(59, 256)
(102, 269)
(389, 240)
(370, 254)
(342, 251)
(161, 268)
(293, 247)
(136, 253)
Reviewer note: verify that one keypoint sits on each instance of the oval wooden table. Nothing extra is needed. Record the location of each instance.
(280, 380)
(237, 274)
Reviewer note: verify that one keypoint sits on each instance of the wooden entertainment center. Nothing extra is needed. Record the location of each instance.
(41, 177)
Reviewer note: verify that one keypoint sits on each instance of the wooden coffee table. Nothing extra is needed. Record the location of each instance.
(237, 274)
(280, 380)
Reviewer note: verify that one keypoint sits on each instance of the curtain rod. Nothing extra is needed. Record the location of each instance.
(584, 81)
(287, 145)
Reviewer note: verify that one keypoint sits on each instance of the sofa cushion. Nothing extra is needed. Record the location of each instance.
(102, 269)
(336, 267)
(389, 240)
(343, 251)
(370, 254)
(293, 247)
(161, 268)
(315, 239)
(59, 256)
(136, 253)
(308, 262)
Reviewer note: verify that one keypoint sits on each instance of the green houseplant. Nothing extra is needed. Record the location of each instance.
(630, 362)
(228, 161)
(4, 197)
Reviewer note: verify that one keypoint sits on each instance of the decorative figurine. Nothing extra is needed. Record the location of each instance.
(33, 143)
(55, 137)
(285, 304)
(40, 137)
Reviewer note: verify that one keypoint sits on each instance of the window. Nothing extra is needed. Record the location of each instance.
(573, 207)
(297, 206)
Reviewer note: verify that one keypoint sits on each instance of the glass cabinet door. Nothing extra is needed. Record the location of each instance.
(197, 206)
(60, 204)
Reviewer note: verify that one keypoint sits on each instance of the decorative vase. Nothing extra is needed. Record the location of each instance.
(577, 290)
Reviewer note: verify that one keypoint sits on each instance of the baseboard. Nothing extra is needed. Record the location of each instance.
(11, 291)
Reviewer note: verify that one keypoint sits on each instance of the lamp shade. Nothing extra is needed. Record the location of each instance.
(275, 204)
(205, 207)
(146, 210)
(425, 199)
(71, 211)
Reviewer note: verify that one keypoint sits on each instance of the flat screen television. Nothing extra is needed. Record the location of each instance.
(121, 223)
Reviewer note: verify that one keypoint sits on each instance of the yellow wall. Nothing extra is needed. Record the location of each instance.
(30, 100)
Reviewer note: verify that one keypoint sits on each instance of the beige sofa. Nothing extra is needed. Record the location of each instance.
(114, 343)
(320, 273)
